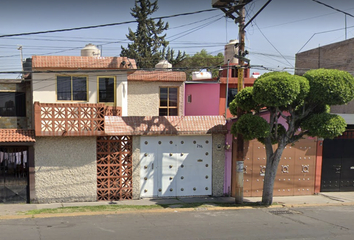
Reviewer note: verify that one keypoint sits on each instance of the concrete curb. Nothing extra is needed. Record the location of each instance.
(166, 210)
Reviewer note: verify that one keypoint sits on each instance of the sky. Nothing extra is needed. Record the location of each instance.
(281, 30)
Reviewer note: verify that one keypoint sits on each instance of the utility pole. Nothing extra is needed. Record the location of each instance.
(235, 9)
(240, 86)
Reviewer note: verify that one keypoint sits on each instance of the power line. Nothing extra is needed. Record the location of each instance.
(103, 25)
(333, 30)
(336, 9)
(272, 45)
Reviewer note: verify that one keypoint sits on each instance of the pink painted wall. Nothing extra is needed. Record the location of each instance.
(205, 99)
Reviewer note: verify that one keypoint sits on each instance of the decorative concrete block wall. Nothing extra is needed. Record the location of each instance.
(65, 169)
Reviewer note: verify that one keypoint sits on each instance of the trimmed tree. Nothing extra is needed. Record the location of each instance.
(148, 41)
(302, 101)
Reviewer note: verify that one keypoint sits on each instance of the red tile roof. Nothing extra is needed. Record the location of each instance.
(16, 135)
(81, 62)
(156, 76)
(165, 125)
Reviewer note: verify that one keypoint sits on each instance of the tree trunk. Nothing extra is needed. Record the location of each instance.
(273, 159)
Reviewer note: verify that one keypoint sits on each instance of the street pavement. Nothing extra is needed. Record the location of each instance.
(296, 223)
(322, 199)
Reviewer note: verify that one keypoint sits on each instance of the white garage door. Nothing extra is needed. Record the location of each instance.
(175, 166)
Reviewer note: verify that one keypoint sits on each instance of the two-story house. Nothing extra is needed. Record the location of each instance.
(107, 131)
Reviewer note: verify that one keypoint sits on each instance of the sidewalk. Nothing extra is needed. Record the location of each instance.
(322, 199)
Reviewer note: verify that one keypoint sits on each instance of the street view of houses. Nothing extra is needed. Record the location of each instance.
(157, 126)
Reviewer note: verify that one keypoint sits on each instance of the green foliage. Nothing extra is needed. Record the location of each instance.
(201, 60)
(251, 127)
(170, 56)
(330, 86)
(148, 40)
(277, 89)
(324, 125)
(276, 131)
(244, 100)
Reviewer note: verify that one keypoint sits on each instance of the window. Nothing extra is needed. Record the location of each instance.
(232, 92)
(72, 88)
(106, 89)
(12, 104)
(168, 101)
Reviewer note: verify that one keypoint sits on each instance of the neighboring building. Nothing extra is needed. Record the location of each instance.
(16, 140)
(297, 171)
(336, 171)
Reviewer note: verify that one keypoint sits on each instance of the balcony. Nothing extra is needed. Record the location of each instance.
(72, 119)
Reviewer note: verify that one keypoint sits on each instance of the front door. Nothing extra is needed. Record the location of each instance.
(13, 175)
(338, 165)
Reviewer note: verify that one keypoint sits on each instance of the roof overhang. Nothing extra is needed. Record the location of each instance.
(165, 125)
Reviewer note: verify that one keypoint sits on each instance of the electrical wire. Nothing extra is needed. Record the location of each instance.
(273, 45)
(336, 9)
(103, 25)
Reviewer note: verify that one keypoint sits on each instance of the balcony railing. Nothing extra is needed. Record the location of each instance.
(52, 119)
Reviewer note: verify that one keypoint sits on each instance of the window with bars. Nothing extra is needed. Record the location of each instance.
(72, 88)
(168, 101)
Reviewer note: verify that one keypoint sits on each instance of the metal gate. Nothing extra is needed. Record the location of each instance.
(295, 174)
(14, 174)
(338, 165)
(174, 166)
(114, 168)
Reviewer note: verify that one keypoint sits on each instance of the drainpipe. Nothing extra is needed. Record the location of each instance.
(227, 86)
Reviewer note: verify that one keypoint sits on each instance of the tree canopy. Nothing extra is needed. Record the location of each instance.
(148, 41)
(201, 60)
(302, 101)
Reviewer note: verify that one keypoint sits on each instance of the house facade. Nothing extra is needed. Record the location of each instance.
(99, 129)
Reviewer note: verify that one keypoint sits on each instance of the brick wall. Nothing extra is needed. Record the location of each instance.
(334, 56)
(338, 55)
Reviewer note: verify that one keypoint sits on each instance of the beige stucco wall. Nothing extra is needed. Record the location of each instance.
(44, 87)
(65, 169)
(144, 97)
(218, 164)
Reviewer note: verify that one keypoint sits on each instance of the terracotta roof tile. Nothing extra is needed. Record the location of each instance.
(165, 125)
(163, 76)
(81, 62)
(16, 135)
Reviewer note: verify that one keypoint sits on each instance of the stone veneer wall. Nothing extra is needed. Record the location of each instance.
(65, 169)
(144, 97)
(136, 167)
(218, 164)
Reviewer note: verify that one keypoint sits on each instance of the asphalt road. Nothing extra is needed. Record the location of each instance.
(329, 222)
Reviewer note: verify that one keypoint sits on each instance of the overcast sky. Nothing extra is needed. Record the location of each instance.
(273, 38)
